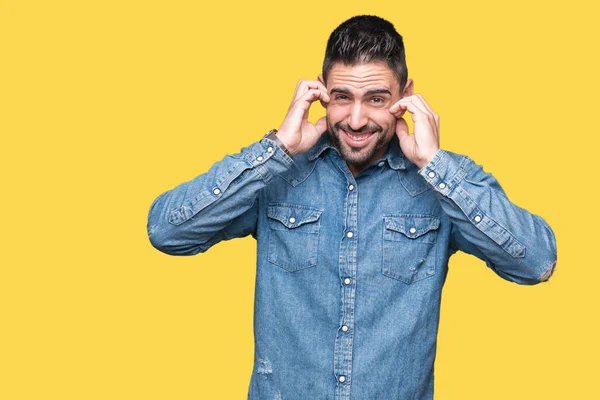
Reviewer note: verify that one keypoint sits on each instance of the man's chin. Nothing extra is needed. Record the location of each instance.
(352, 154)
(358, 155)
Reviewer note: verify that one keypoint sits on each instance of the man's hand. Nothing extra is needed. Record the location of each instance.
(421, 146)
(296, 132)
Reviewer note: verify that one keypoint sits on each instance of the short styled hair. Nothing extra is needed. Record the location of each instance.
(363, 39)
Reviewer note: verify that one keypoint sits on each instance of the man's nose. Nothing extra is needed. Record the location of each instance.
(358, 118)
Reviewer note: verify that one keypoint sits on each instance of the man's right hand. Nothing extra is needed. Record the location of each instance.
(296, 133)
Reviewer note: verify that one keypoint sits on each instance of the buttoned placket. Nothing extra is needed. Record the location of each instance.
(347, 275)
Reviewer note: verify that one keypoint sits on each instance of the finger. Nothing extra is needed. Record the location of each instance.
(315, 85)
(418, 115)
(415, 100)
(306, 85)
(403, 104)
(303, 87)
(435, 116)
(301, 106)
(422, 104)
(420, 101)
(409, 106)
(401, 129)
(396, 110)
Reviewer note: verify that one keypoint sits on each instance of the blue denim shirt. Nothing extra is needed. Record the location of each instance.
(350, 269)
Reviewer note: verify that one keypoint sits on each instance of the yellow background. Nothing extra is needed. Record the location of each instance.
(106, 104)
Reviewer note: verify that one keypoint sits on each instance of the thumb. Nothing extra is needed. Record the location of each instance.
(401, 129)
(321, 125)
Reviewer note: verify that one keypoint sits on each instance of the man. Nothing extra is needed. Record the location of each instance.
(354, 228)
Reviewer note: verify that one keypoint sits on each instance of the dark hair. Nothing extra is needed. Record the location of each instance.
(366, 38)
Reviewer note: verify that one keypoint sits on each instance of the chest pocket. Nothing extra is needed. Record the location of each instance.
(293, 236)
(409, 246)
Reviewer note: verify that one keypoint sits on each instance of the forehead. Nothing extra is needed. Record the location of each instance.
(361, 77)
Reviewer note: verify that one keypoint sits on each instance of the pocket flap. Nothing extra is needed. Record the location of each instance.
(412, 226)
(293, 216)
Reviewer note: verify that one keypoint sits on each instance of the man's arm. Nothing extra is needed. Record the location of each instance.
(517, 245)
(223, 203)
(218, 205)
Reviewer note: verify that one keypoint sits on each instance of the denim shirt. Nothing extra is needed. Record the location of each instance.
(350, 269)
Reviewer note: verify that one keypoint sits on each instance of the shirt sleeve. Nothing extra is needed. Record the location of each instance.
(218, 205)
(517, 245)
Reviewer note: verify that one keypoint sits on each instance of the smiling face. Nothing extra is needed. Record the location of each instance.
(358, 119)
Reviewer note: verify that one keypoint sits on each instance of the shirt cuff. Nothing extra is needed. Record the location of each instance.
(268, 159)
(443, 172)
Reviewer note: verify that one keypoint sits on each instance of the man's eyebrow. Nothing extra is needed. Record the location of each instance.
(369, 93)
(339, 90)
(378, 91)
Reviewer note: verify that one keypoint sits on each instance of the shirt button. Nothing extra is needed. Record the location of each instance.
(342, 379)
(259, 158)
(216, 191)
(270, 149)
(350, 234)
(381, 164)
(412, 230)
(347, 281)
(344, 328)
(351, 187)
(292, 220)
(477, 218)
(442, 185)
(431, 174)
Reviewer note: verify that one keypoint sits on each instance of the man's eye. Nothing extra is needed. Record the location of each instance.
(341, 97)
(377, 100)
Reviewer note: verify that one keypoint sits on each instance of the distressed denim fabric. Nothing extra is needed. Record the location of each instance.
(350, 269)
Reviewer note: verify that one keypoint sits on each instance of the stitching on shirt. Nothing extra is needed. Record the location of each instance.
(507, 244)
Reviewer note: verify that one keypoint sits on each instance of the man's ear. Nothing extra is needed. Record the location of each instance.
(320, 78)
(408, 88)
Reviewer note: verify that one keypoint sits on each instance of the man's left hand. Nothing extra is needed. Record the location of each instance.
(421, 146)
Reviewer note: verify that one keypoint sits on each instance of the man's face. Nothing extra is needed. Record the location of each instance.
(358, 119)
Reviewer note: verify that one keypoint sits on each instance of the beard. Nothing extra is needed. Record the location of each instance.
(358, 155)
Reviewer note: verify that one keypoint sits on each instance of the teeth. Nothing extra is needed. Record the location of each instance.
(359, 138)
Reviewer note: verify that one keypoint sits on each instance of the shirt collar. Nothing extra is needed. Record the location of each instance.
(322, 144)
(393, 156)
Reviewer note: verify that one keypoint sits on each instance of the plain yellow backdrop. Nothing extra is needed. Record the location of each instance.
(107, 104)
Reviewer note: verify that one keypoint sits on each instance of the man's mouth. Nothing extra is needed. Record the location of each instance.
(358, 137)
